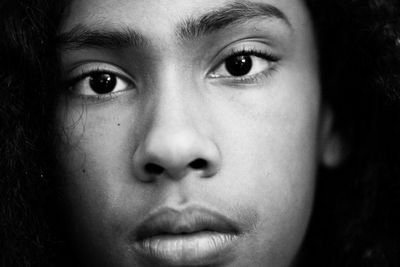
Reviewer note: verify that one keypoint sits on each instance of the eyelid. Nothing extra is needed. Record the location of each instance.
(252, 46)
(85, 69)
(81, 72)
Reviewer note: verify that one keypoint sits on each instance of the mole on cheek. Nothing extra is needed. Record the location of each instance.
(119, 124)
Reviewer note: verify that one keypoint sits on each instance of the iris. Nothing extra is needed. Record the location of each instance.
(239, 65)
(102, 83)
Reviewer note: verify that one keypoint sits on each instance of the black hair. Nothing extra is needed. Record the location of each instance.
(26, 77)
(354, 221)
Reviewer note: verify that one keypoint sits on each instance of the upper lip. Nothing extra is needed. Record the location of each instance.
(170, 221)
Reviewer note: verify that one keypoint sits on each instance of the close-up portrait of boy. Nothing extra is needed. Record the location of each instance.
(199, 133)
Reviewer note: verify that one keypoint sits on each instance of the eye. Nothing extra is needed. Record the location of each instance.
(245, 63)
(239, 65)
(102, 83)
(99, 83)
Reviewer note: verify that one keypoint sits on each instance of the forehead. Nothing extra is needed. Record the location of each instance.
(156, 17)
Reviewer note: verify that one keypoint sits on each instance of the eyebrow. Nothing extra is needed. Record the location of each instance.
(83, 36)
(230, 15)
(87, 36)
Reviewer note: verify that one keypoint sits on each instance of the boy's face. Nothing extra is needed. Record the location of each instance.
(191, 130)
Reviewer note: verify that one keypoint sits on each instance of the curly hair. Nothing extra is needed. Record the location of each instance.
(354, 221)
(25, 73)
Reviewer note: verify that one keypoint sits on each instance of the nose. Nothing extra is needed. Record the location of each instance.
(175, 146)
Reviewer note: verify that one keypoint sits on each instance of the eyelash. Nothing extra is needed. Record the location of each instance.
(240, 80)
(250, 51)
(87, 73)
(253, 52)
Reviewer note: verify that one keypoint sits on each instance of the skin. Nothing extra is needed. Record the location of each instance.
(262, 138)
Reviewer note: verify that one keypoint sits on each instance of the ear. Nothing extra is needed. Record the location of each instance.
(333, 149)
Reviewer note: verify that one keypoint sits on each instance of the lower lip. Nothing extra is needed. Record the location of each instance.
(188, 249)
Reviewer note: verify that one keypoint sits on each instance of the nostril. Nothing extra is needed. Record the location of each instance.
(154, 169)
(198, 164)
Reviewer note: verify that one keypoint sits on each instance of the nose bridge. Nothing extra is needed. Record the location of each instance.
(173, 109)
(176, 142)
(170, 107)
(172, 93)
(172, 133)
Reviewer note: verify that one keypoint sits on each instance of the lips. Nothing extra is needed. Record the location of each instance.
(193, 236)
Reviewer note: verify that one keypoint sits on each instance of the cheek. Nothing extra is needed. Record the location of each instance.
(278, 178)
(94, 158)
(270, 161)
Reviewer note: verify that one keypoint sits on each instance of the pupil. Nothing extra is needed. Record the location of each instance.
(238, 65)
(102, 83)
